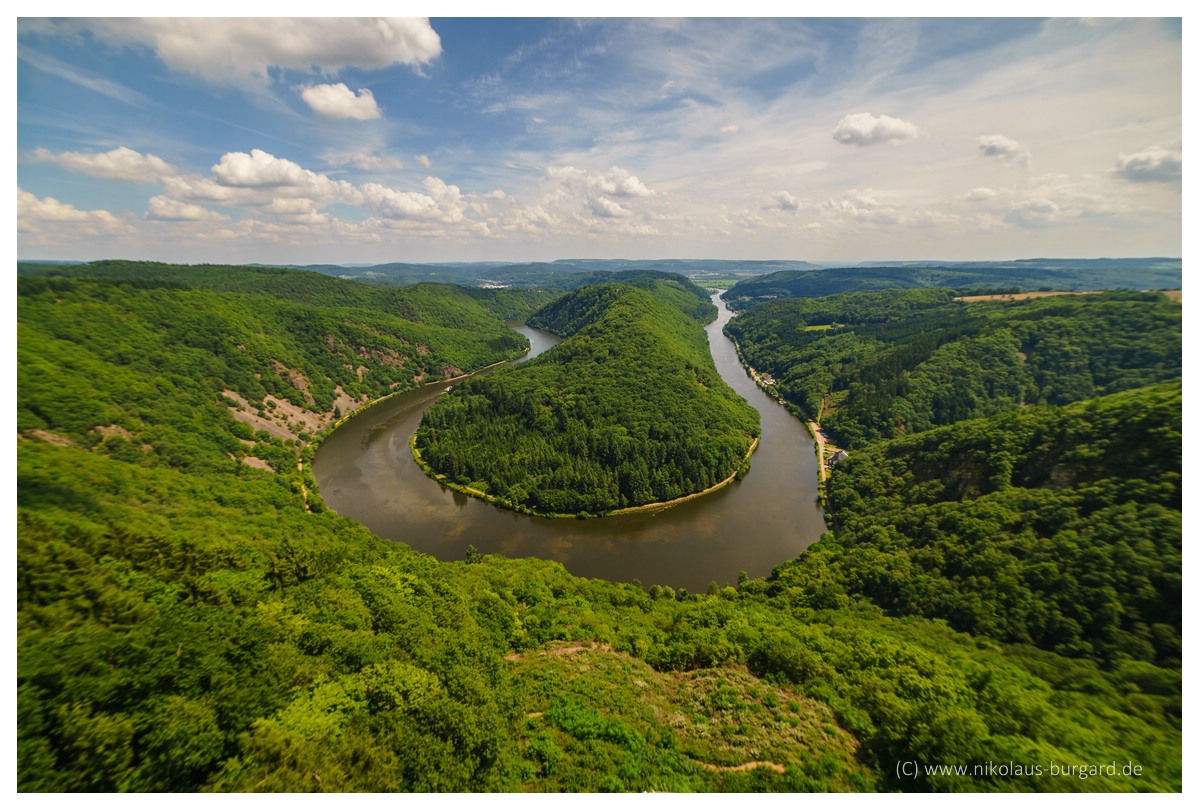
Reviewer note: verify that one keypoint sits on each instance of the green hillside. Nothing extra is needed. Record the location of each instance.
(186, 623)
(878, 365)
(628, 410)
(1059, 527)
(166, 372)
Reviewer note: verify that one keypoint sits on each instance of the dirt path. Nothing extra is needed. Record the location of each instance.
(748, 766)
(814, 427)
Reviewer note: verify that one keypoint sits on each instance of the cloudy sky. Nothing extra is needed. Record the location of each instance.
(374, 140)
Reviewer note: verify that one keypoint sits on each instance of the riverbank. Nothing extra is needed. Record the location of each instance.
(503, 503)
(366, 472)
(825, 450)
(309, 491)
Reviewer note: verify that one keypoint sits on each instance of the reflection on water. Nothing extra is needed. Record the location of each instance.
(365, 471)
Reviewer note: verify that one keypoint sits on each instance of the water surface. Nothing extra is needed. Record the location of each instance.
(365, 471)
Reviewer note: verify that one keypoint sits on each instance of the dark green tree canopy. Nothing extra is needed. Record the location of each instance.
(627, 410)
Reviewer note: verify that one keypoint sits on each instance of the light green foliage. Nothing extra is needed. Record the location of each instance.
(147, 358)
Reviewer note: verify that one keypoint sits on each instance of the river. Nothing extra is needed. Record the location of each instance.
(365, 471)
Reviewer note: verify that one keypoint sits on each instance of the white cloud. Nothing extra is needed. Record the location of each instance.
(34, 213)
(262, 173)
(784, 201)
(609, 209)
(241, 49)
(400, 204)
(424, 161)
(339, 102)
(286, 191)
(259, 169)
(980, 193)
(1156, 164)
(534, 219)
(1002, 148)
(121, 163)
(616, 181)
(194, 187)
(163, 207)
(296, 210)
(864, 129)
(1034, 213)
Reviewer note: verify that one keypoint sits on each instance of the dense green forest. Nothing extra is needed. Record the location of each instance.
(1059, 527)
(185, 623)
(1032, 274)
(166, 368)
(869, 366)
(627, 410)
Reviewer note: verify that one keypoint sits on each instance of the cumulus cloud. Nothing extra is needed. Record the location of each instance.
(261, 171)
(241, 49)
(1003, 148)
(424, 161)
(864, 129)
(1034, 213)
(287, 191)
(258, 169)
(980, 193)
(609, 209)
(784, 201)
(533, 219)
(165, 208)
(296, 210)
(339, 102)
(121, 163)
(610, 195)
(1156, 164)
(196, 188)
(34, 212)
(864, 207)
(400, 204)
(616, 181)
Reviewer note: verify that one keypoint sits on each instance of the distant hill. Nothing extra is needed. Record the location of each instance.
(973, 277)
(762, 280)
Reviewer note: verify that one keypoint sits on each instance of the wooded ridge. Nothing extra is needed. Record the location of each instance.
(627, 410)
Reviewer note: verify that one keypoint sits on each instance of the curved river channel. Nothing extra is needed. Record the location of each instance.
(365, 471)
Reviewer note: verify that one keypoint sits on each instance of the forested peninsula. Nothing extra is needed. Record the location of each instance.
(627, 410)
(997, 598)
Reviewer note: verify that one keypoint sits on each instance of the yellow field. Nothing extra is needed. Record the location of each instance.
(1173, 295)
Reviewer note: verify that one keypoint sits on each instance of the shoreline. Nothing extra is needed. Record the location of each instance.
(307, 452)
(524, 510)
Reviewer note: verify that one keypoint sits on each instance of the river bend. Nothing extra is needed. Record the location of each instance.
(365, 471)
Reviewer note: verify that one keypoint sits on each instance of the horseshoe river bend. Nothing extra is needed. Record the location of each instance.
(365, 470)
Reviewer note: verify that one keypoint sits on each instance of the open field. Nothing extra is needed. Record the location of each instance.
(1173, 295)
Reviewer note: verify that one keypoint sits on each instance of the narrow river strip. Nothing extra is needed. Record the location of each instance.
(365, 470)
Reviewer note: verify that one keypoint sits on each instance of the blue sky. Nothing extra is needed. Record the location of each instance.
(375, 140)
